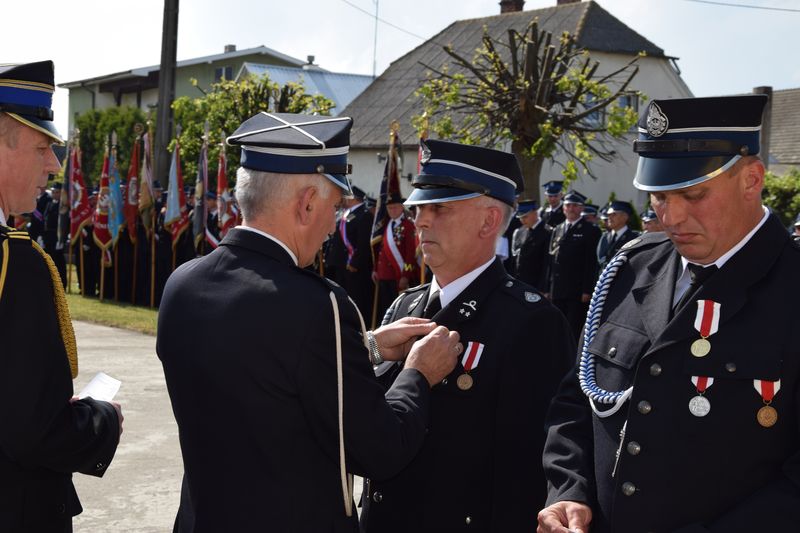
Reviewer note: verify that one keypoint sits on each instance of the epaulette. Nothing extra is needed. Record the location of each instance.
(644, 241)
(14, 235)
(418, 288)
(522, 291)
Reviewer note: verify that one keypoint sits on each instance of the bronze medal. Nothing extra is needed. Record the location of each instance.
(699, 406)
(464, 382)
(767, 416)
(700, 348)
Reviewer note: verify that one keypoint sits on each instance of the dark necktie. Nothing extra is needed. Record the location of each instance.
(697, 276)
(433, 306)
(612, 240)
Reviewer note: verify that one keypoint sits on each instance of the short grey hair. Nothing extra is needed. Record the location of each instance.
(258, 191)
(507, 211)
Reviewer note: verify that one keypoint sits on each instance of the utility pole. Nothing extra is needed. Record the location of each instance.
(375, 43)
(166, 88)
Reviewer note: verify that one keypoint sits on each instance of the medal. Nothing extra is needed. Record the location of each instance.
(470, 360)
(464, 382)
(767, 416)
(707, 323)
(699, 405)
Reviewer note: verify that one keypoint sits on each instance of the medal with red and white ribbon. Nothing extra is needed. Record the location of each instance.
(699, 405)
(470, 360)
(707, 323)
(767, 416)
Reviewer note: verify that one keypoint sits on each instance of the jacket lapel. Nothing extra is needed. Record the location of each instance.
(654, 293)
(467, 305)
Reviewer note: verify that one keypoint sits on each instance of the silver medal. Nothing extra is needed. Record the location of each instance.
(699, 406)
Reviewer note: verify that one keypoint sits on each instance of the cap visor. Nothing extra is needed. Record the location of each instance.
(438, 195)
(341, 181)
(668, 173)
(43, 126)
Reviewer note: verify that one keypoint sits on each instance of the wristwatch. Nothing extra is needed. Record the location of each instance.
(374, 352)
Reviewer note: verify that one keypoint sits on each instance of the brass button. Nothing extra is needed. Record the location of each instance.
(730, 367)
(634, 448)
(628, 488)
(377, 497)
(612, 352)
(468, 520)
(655, 369)
(644, 407)
(444, 381)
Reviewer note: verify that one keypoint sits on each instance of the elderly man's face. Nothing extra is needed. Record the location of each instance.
(553, 199)
(706, 220)
(617, 220)
(573, 211)
(24, 170)
(394, 210)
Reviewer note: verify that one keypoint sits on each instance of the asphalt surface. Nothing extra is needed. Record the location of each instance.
(141, 489)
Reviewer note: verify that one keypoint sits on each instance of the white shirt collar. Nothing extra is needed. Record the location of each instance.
(538, 221)
(619, 232)
(2, 217)
(270, 237)
(454, 288)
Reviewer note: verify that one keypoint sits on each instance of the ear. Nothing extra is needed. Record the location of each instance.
(491, 222)
(753, 179)
(306, 203)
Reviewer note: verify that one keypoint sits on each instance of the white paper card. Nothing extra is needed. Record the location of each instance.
(102, 387)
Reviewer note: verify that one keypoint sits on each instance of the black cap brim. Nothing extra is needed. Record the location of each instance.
(44, 126)
(438, 195)
(668, 173)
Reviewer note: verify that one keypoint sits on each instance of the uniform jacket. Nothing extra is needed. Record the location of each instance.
(573, 263)
(553, 217)
(530, 247)
(723, 472)
(248, 346)
(606, 249)
(480, 467)
(44, 438)
(359, 233)
(404, 235)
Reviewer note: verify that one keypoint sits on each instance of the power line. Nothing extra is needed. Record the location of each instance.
(372, 15)
(727, 4)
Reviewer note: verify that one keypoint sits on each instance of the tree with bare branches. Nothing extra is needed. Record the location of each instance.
(542, 97)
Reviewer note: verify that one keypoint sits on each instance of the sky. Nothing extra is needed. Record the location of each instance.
(721, 49)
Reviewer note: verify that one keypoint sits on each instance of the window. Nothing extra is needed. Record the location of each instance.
(223, 73)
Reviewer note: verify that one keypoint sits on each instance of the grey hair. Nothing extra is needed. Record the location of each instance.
(258, 191)
(9, 130)
(507, 211)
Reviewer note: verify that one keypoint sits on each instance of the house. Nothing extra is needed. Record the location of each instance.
(139, 87)
(784, 143)
(609, 41)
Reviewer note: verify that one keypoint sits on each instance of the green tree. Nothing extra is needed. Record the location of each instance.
(782, 194)
(95, 127)
(225, 107)
(542, 96)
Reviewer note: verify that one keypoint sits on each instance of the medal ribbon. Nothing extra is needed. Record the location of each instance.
(767, 389)
(707, 319)
(702, 383)
(472, 355)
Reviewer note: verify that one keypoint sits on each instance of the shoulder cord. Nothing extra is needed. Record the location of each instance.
(3, 267)
(586, 371)
(347, 479)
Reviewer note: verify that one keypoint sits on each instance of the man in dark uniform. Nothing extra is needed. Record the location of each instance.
(617, 233)
(357, 238)
(573, 263)
(480, 467)
(553, 214)
(274, 414)
(682, 413)
(589, 214)
(45, 435)
(52, 245)
(529, 246)
(650, 221)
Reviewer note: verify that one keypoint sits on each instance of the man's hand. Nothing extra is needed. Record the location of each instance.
(565, 517)
(118, 409)
(436, 354)
(395, 339)
(585, 298)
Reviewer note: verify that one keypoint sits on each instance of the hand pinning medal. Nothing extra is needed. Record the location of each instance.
(707, 323)
(470, 360)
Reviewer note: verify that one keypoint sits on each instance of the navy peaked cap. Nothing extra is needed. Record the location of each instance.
(618, 206)
(552, 188)
(574, 197)
(648, 215)
(453, 171)
(289, 143)
(686, 141)
(589, 209)
(26, 94)
(526, 206)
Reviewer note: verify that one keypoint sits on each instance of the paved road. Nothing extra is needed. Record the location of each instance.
(140, 491)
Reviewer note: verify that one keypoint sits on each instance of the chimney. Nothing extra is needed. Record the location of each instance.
(310, 59)
(564, 2)
(230, 48)
(511, 6)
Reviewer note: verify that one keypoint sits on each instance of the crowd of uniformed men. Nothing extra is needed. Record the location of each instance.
(470, 407)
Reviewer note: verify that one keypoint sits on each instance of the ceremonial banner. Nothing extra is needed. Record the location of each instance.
(176, 219)
(390, 184)
(116, 204)
(228, 215)
(132, 197)
(200, 187)
(101, 234)
(80, 213)
(146, 202)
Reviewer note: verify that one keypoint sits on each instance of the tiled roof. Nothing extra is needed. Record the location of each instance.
(391, 95)
(785, 130)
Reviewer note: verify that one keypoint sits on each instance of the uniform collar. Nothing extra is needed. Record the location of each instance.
(273, 239)
(457, 286)
(2, 218)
